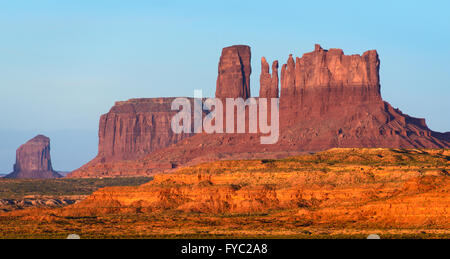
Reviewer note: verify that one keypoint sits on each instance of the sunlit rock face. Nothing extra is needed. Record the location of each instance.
(268, 83)
(233, 78)
(327, 100)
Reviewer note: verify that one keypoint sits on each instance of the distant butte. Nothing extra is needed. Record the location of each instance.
(327, 100)
(33, 160)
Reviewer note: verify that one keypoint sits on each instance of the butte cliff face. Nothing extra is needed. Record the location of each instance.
(135, 128)
(327, 99)
(33, 160)
(233, 80)
(329, 69)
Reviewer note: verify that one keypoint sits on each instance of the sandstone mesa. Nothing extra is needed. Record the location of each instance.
(327, 100)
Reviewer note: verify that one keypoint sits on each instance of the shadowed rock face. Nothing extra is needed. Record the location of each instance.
(33, 160)
(233, 80)
(328, 100)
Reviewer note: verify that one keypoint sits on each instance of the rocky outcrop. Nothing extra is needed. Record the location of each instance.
(129, 131)
(268, 83)
(135, 128)
(33, 160)
(328, 100)
(233, 80)
(329, 69)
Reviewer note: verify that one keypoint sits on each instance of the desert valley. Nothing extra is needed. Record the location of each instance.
(346, 164)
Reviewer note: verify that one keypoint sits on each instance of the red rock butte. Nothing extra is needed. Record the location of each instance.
(327, 100)
(233, 80)
(33, 160)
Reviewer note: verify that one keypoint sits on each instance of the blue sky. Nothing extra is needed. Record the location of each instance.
(64, 63)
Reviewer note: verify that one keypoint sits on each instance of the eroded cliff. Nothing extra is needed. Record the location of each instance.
(327, 99)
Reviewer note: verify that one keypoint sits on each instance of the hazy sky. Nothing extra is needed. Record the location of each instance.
(64, 64)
